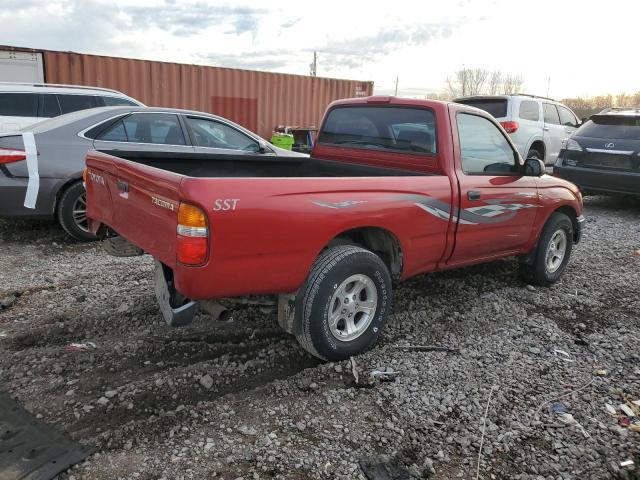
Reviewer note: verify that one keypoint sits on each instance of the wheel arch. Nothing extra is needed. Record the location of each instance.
(570, 212)
(61, 189)
(379, 240)
(538, 144)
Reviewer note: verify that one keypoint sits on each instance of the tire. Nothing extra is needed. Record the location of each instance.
(338, 275)
(547, 267)
(74, 199)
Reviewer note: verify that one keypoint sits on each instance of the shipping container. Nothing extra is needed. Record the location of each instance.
(259, 101)
(19, 66)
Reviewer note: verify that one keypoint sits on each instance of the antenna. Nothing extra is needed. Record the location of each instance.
(548, 86)
(313, 65)
(396, 94)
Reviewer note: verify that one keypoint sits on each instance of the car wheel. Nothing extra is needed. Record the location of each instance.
(72, 213)
(552, 252)
(342, 306)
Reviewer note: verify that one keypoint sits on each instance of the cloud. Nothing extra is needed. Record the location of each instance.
(290, 23)
(355, 52)
(185, 19)
(275, 59)
(100, 26)
(349, 53)
(63, 26)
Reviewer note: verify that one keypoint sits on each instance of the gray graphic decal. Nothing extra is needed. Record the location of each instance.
(494, 211)
(343, 204)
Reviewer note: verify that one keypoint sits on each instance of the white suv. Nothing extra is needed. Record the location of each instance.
(23, 104)
(537, 125)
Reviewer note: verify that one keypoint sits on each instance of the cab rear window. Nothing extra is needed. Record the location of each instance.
(611, 126)
(497, 107)
(393, 129)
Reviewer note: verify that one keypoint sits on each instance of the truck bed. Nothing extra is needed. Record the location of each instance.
(243, 166)
(269, 217)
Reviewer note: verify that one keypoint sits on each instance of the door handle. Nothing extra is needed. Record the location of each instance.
(546, 129)
(473, 195)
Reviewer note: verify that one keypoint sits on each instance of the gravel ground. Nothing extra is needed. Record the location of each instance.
(240, 399)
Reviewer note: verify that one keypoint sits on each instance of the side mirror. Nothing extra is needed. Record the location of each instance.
(262, 147)
(534, 167)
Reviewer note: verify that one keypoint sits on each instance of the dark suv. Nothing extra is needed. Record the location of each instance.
(604, 153)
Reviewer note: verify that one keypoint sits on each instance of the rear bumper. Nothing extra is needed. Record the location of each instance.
(12, 195)
(598, 180)
(580, 229)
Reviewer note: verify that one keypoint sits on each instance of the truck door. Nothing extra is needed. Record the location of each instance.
(497, 202)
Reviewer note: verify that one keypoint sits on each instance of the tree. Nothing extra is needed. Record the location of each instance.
(477, 77)
(512, 84)
(495, 81)
(458, 86)
(478, 81)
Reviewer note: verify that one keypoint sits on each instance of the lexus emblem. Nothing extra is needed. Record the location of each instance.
(610, 145)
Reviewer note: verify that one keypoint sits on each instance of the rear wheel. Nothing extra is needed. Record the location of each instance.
(342, 306)
(72, 213)
(552, 252)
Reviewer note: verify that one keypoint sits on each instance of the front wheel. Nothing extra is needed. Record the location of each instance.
(341, 308)
(552, 252)
(72, 213)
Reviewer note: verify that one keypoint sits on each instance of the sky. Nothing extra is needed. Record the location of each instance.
(560, 48)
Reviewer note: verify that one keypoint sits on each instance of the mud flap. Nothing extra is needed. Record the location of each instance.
(176, 309)
(287, 313)
(31, 449)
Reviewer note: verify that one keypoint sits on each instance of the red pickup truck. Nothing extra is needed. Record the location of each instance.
(393, 188)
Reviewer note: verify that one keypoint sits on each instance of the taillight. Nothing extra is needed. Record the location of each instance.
(10, 155)
(193, 235)
(510, 127)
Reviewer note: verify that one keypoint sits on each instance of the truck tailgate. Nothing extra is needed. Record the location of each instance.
(139, 202)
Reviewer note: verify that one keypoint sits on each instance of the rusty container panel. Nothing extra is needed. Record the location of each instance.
(258, 101)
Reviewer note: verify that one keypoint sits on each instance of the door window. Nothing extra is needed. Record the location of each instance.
(566, 117)
(483, 148)
(115, 133)
(212, 134)
(49, 106)
(158, 128)
(18, 104)
(551, 114)
(73, 103)
(529, 110)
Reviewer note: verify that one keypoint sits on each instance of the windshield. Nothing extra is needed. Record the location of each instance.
(395, 129)
(611, 126)
(497, 107)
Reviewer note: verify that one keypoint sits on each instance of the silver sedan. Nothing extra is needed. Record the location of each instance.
(41, 166)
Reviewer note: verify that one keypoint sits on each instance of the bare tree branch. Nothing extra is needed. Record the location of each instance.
(495, 81)
(512, 84)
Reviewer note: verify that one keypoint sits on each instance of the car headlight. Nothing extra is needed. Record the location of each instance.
(571, 144)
